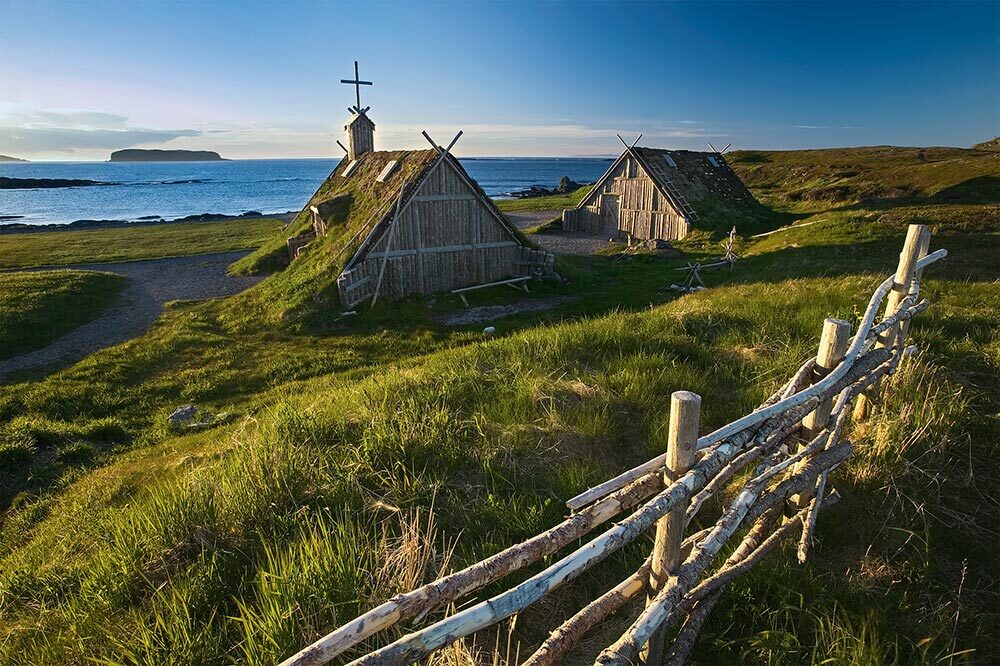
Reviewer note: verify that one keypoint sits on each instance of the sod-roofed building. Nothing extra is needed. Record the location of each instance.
(413, 222)
(653, 193)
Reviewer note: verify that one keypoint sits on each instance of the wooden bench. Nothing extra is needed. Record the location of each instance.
(517, 283)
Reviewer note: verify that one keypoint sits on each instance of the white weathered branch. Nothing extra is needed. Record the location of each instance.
(745, 507)
(449, 588)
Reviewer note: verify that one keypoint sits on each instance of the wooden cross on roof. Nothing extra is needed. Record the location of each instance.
(357, 83)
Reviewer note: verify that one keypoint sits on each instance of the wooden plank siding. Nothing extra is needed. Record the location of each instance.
(641, 210)
(446, 238)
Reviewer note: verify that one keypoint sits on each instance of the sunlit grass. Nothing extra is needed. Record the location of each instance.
(128, 243)
(38, 307)
(311, 501)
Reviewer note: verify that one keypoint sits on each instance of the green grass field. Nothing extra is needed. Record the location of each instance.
(554, 202)
(124, 542)
(38, 307)
(88, 246)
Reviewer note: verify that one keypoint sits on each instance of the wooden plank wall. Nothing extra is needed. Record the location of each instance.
(446, 238)
(642, 211)
(360, 138)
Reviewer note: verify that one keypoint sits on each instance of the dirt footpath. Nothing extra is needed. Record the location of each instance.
(152, 283)
(557, 242)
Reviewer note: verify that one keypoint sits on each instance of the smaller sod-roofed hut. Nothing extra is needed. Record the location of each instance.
(652, 193)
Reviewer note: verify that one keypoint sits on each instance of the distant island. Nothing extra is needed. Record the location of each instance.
(140, 155)
(8, 158)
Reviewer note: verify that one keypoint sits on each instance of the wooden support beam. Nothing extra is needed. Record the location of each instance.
(685, 412)
(443, 249)
(388, 244)
(445, 197)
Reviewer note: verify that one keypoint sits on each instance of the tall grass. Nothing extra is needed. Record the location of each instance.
(309, 502)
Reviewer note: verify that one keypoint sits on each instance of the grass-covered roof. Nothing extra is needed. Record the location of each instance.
(353, 208)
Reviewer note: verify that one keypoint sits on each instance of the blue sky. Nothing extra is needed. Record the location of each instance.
(261, 79)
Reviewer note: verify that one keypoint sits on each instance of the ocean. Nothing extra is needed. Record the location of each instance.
(177, 189)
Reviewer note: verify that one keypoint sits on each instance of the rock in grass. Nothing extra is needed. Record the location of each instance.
(183, 416)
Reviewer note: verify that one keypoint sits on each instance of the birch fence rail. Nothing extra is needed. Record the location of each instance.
(785, 449)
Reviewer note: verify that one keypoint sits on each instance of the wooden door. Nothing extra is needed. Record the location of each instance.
(609, 212)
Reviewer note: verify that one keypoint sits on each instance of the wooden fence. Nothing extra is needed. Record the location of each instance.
(785, 449)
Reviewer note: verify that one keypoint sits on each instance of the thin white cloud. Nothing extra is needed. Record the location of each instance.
(36, 119)
(88, 134)
(31, 132)
(393, 134)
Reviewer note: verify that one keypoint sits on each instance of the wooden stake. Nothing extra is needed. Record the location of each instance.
(390, 235)
(922, 250)
(685, 411)
(832, 348)
(900, 286)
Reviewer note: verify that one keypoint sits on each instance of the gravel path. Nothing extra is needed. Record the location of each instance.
(531, 218)
(152, 283)
(557, 242)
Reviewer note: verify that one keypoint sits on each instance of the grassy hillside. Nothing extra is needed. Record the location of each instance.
(148, 241)
(811, 180)
(992, 144)
(36, 308)
(295, 510)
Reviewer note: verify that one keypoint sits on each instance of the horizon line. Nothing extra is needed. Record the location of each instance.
(505, 157)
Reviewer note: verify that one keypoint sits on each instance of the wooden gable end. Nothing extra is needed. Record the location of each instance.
(627, 201)
(444, 237)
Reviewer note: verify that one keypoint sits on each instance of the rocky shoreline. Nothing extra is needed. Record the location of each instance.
(7, 183)
(566, 186)
(22, 228)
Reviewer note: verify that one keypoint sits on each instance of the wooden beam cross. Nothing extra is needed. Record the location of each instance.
(357, 83)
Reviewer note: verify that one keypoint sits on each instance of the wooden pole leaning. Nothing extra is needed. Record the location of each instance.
(390, 236)
(682, 444)
(832, 349)
(915, 240)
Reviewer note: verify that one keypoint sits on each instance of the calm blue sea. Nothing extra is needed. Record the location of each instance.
(176, 189)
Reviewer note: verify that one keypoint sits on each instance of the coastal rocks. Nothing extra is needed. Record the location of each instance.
(20, 227)
(43, 183)
(215, 217)
(566, 186)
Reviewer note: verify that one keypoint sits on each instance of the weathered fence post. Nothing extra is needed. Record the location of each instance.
(922, 250)
(917, 242)
(832, 347)
(682, 439)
